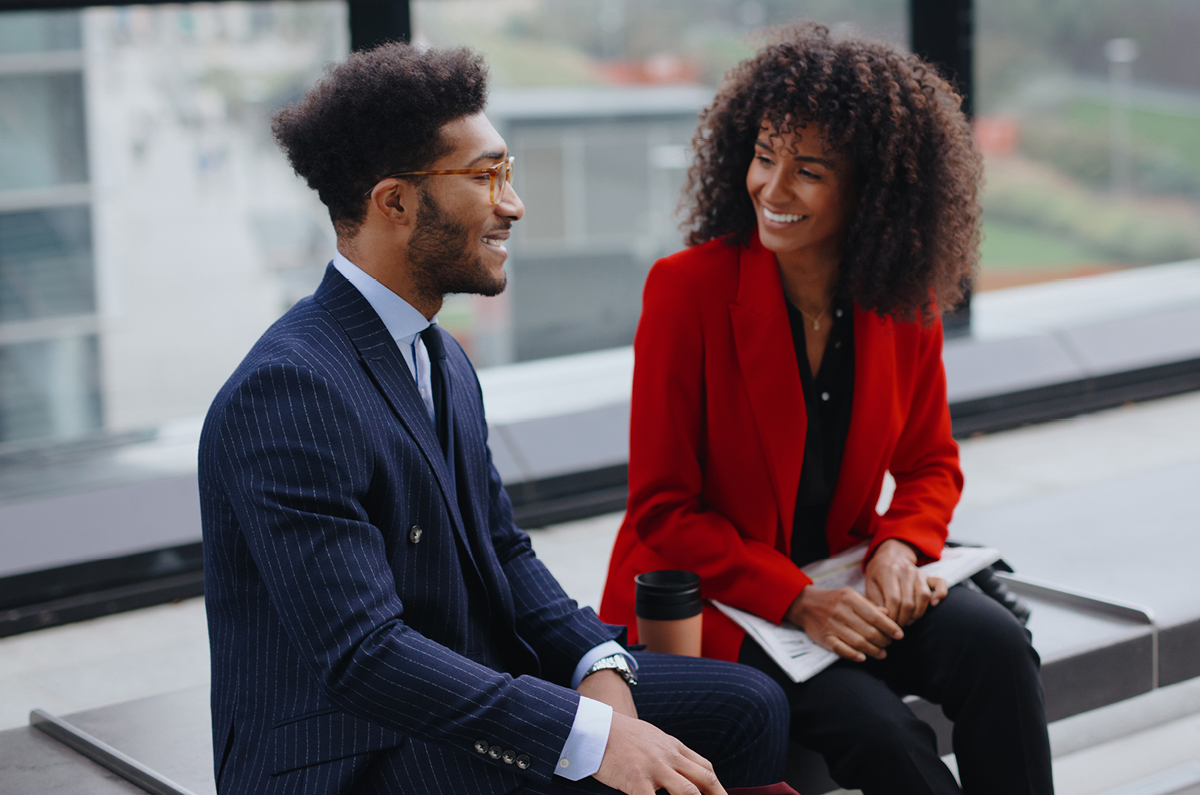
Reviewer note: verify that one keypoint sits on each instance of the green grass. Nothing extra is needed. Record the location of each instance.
(1009, 246)
(1178, 132)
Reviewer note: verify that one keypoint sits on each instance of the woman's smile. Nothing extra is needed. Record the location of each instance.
(782, 219)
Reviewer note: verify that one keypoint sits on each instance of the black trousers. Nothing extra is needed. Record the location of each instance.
(968, 654)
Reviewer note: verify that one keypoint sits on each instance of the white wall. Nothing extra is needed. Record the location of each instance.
(203, 235)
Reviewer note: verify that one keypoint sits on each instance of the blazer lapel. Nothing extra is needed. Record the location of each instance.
(767, 358)
(382, 359)
(866, 442)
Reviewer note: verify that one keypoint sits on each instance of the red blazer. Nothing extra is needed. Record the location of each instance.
(717, 439)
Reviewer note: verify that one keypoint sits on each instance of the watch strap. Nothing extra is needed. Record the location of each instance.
(614, 662)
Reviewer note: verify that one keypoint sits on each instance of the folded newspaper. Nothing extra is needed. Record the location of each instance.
(795, 652)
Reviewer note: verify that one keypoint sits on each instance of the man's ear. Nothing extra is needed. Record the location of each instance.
(394, 201)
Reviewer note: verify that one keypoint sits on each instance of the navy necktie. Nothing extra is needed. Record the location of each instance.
(443, 406)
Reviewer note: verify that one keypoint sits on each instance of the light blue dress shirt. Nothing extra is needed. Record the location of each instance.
(584, 749)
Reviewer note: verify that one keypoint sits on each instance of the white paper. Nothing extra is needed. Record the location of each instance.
(796, 653)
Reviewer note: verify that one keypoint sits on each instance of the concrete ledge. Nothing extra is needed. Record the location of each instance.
(1179, 652)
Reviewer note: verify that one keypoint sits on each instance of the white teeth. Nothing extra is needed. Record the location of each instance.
(780, 218)
(493, 243)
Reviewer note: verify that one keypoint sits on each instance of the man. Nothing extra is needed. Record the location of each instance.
(377, 622)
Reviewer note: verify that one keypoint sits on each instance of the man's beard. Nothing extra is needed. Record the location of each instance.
(444, 257)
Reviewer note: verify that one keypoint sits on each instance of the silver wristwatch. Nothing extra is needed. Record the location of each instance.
(614, 662)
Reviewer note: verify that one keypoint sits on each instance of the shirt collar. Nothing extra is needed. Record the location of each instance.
(401, 318)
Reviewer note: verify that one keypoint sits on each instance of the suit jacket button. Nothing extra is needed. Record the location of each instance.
(509, 757)
(414, 534)
(523, 762)
(495, 751)
(481, 746)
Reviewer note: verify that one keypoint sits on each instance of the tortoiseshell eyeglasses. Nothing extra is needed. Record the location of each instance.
(499, 176)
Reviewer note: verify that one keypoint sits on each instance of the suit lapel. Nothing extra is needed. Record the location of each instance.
(867, 441)
(767, 358)
(473, 479)
(382, 359)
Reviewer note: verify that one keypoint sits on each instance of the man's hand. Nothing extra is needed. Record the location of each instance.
(896, 584)
(844, 621)
(609, 687)
(641, 759)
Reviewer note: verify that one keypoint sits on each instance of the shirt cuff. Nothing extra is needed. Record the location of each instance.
(606, 649)
(584, 749)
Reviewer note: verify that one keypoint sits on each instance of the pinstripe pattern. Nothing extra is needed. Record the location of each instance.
(337, 641)
(729, 714)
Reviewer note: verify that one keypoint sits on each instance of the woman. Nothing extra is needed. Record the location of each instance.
(785, 362)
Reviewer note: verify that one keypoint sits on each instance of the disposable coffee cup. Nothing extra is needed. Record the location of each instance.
(669, 611)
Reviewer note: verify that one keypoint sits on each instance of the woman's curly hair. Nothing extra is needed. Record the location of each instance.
(912, 241)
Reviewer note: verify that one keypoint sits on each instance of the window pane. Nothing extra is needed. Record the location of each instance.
(606, 42)
(41, 130)
(1089, 117)
(49, 389)
(46, 264)
(39, 31)
(598, 102)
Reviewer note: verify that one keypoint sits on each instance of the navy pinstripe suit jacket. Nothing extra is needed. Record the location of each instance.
(337, 630)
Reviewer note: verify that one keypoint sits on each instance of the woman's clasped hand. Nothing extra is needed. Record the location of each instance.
(855, 626)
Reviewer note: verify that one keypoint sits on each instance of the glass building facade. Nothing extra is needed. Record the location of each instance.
(150, 229)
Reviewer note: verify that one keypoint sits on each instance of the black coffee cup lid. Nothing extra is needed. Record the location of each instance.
(668, 594)
(668, 582)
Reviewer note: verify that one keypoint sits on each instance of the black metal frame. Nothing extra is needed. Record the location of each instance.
(943, 33)
(372, 22)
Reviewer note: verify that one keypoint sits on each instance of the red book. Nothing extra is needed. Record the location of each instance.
(770, 789)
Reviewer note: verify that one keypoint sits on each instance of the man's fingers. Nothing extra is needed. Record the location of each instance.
(692, 756)
(676, 784)
(641, 759)
(686, 776)
(704, 779)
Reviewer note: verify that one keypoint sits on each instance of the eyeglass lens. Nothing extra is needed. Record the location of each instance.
(503, 176)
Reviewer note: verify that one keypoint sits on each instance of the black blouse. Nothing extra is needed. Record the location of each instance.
(828, 401)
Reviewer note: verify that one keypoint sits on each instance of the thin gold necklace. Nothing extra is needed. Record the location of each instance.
(816, 321)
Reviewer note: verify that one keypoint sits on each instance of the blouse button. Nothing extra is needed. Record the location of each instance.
(838, 313)
(824, 396)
